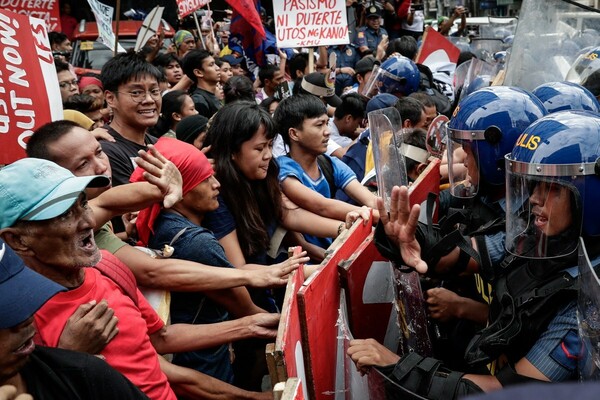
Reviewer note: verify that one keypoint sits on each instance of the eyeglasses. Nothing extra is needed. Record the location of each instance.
(67, 84)
(140, 95)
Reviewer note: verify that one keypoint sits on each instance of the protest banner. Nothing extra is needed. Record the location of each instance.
(48, 10)
(301, 23)
(29, 92)
(186, 7)
(103, 14)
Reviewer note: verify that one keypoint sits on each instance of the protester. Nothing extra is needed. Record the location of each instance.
(269, 76)
(201, 68)
(64, 249)
(44, 372)
(67, 82)
(176, 105)
(184, 42)
(158, 228)
(238, 88)
(193, 130)
(303, 124)
(171, 66)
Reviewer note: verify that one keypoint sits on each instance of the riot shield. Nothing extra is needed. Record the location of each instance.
(386, 136)
(549, 36)
(481, 74)
(588, 317)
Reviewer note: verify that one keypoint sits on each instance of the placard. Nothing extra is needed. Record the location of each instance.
(48, 10)
(186, 7)
(29, 92)
(307, 23)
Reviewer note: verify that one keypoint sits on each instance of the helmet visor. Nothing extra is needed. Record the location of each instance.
(543, 212)
(463, 162)
(382, 81)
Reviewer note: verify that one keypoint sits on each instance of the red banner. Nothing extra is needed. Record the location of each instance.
(48, 10)
(29, 93)
(186, 7)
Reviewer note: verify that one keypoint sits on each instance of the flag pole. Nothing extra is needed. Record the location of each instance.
(117, 27)
(199, 30)
(212, 32)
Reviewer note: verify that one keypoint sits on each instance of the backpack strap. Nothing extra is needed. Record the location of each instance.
(327, 168)
(111, 267)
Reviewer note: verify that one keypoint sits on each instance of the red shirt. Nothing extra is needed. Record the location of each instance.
(130, 352)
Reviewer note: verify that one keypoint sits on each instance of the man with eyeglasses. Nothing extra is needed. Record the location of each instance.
(67, 81)
(133, 95)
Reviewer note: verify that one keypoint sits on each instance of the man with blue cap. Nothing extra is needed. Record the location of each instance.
(45, 373)
(45, 219)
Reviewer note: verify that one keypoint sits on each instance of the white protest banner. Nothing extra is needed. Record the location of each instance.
(304, 23)
(186, 7)
(48, 10)
(29, 92)
(103, 14)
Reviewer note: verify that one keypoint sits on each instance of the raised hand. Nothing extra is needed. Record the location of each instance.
(162, 173)
(400, 226)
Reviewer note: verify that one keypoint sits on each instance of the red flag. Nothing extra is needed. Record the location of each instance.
(436, 48)
(248, 10)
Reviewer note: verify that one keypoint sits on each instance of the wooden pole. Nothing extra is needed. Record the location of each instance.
(199, 30)
(311, 60)
(117, 27)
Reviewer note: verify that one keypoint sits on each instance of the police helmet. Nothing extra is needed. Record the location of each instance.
(553, 185)
(397, 75)
(561, 96)
(487, 124)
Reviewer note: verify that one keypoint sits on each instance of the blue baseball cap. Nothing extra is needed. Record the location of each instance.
(33, 189)
(382, 100)
(232, 60)
(22, 290)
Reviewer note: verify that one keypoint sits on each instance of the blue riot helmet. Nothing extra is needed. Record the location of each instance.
(397, 75)
(486, 124)
(586, 70)
(553, 185)
(561, 96)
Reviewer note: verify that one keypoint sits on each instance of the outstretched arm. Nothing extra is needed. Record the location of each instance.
(179, 338)
(164, 184)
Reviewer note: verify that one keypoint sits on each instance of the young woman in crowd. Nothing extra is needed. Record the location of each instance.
(251, 205)
(176, 105)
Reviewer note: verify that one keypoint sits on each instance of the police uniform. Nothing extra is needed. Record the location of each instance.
(369, 37)
(347, 55)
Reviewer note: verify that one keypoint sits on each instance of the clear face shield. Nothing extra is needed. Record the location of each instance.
(588, 317)
(585, 70)
(381, 81)
(386, 136)
(463, 161)
(543, 210)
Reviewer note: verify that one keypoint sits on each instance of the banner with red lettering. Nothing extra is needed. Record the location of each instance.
(48, 10)
(186, 7)
(301, 23)
(29, 92)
